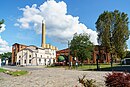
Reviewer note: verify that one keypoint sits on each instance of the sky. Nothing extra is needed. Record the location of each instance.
(63, 18)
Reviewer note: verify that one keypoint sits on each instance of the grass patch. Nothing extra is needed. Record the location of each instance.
(16, 73)
(86, 67)
(13, 73)
(94, 66)
(2, 70)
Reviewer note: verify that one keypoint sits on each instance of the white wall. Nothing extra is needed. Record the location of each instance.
(45, 55)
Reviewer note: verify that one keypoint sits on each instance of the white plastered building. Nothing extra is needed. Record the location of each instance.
(33, 55)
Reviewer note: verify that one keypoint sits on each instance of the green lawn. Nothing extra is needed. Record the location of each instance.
(2, 70)
(16, 73)
(92, 67)
(13, 73)
(86, 67)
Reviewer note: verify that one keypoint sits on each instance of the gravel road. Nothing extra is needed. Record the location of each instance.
(51, 77)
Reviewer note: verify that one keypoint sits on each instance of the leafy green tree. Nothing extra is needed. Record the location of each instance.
(81, 46)
(127, 54)
(1, 22)
(113, 32)
(6, 55)
(120, 33)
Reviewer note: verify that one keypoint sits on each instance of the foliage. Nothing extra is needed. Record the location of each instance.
(127, 54)
(1, 22)
(61, 59)
(6, 55)
(81, 46)
(113, 32)
(86, 82)
(117, 79)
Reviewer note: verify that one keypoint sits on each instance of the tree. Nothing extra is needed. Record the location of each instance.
(81, 47)
(6, 55)
(1, 22)
(127, 54)
(113, 32)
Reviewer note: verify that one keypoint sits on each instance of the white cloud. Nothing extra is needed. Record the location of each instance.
(2, 28)
(128, 49)
(59, 24)
(16, 24)
(4, 46)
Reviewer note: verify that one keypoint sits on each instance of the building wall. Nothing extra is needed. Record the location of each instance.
(15, 49)
(103, 52)
(39, 57)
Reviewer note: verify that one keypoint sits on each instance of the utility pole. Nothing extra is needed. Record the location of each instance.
(111, 50)
(70, 62)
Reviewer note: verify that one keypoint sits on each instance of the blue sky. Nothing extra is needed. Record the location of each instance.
(63, 18)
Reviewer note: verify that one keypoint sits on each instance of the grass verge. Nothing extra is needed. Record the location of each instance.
(86, 67)
(14, 73)
(2, 70)
(94, 66)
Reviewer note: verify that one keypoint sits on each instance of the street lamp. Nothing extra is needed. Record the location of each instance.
(70, 62)
(111, 49)
(98, 57)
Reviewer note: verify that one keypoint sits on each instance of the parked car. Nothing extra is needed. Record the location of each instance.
(125, 61)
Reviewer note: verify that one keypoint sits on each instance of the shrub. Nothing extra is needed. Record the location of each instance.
(86, 82)
(117, 79)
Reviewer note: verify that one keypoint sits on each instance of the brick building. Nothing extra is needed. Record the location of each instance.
(103, 54)
(15, 49)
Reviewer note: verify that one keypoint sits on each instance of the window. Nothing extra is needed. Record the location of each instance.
(49, 61)
(19, 62)
(41, 56)
(29, 56)
(24, 61)
(19, 56)
(39, 60)
(45, 61)
(14, 47)
(30, 61)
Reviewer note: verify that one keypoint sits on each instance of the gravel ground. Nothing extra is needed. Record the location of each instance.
(51, 77)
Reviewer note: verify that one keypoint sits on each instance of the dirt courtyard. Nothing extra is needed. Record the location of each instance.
(51, 77)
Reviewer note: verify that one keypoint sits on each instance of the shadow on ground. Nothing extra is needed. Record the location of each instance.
(124, 68)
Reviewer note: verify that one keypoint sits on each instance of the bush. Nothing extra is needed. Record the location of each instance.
(117, 79)
(86, 82)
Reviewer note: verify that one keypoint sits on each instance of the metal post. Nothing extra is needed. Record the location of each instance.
(111, 50)
(70, 62)
(98, 57)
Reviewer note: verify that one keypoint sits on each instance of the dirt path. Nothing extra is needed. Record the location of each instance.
(51, 77)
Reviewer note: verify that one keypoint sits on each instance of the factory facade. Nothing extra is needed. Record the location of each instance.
(33, 55)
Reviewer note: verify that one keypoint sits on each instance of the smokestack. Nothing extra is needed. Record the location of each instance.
(43, 35)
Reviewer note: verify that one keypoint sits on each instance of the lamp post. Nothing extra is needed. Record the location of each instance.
(98, 57)
(70, 62)
(111, 49)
